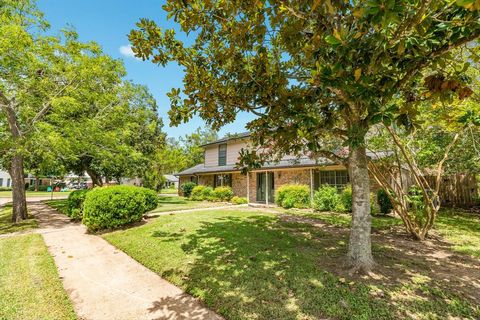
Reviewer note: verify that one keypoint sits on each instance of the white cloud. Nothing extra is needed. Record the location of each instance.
(127, 51)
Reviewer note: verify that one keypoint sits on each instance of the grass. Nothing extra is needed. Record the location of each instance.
(60, 205)
(343, 219)
(29, 284)
(8, 194)
(169, 191)
(6, 226)
(175, 203)
(461, 229)
(246, 264)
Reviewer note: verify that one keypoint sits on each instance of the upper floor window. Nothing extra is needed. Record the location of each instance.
(222, 154)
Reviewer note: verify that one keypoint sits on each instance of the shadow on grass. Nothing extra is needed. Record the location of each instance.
(265, 268)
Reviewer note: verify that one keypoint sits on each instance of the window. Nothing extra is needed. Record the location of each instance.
(337, 178)
(222, 180)
(222, 155)
(8, 183)
(1, 182)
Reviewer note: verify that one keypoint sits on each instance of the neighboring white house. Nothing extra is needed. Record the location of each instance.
(5, 179)
(171, 181)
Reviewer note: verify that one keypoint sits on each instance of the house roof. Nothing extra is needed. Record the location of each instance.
(287, 163)
(290, 163)
(170, 177)
(228, 138)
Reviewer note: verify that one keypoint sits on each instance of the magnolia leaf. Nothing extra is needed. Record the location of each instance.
(401, 48)
(358, 73)
(332, 40)
(337, 35)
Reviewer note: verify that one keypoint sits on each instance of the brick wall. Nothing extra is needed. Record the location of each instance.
(239, 184)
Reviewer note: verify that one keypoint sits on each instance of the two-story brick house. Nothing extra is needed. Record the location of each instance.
(219, 169)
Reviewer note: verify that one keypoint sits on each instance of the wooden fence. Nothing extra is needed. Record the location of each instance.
(457, 190)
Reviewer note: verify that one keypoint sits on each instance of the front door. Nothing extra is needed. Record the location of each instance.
(262, 187)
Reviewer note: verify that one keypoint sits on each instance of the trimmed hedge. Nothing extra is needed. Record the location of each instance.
(293, 196)
(326, 199)
(222, 193)
(187, 188)
(113, 207)
(5, 189)
(75, 204)
(239, 200)
(200, 193)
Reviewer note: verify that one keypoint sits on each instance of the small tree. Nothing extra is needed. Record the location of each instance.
(315, 73)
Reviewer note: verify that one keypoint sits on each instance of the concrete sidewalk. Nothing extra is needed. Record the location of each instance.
(105, 283)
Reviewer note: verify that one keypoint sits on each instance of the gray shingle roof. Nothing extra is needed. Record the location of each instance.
(288, 163)
(228, 138)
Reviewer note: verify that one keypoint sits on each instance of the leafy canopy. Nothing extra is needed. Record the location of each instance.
(312, 71)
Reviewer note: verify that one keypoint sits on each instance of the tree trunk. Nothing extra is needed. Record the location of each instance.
(96, 179)
(19, 211)
(359, 257)
(36, 183)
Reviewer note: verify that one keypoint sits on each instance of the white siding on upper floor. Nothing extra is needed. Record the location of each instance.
(233, 152)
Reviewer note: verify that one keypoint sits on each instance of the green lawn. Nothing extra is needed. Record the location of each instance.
(169, 191)
(8, 194)
(342, 219)
(6, 226)
(461, 229)
(174, 203)
(246, 264)
(29, 283)
(60, 205)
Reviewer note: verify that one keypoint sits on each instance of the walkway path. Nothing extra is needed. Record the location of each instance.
(105, 283)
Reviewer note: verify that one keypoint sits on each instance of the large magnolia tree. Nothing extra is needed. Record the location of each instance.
(311, 71)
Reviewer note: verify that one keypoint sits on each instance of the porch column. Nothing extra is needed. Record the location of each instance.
(311, 186)
(266, 187)
(248, 187)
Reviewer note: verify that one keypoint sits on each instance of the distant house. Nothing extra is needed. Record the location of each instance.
(260, 184)
(171, 181)
(5, 179)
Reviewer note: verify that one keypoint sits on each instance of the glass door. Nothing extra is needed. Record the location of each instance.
(262, 187)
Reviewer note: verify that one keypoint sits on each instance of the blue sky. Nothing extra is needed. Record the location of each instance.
(108, 22)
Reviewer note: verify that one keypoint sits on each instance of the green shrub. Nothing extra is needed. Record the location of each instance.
(326, 199)
(5, 189)
(239, 200)
(293, 196)
(113, 207)
(187, 188)
(75, 204)
(222, 193)
(345, 204)
(384, 201)
(200, 193)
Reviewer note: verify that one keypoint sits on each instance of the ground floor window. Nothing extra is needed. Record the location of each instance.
(336, 178)
(194, 179)
(222, 180)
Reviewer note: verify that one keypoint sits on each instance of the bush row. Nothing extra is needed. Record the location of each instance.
(202, 193)
(327, 198)
(110, 207)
